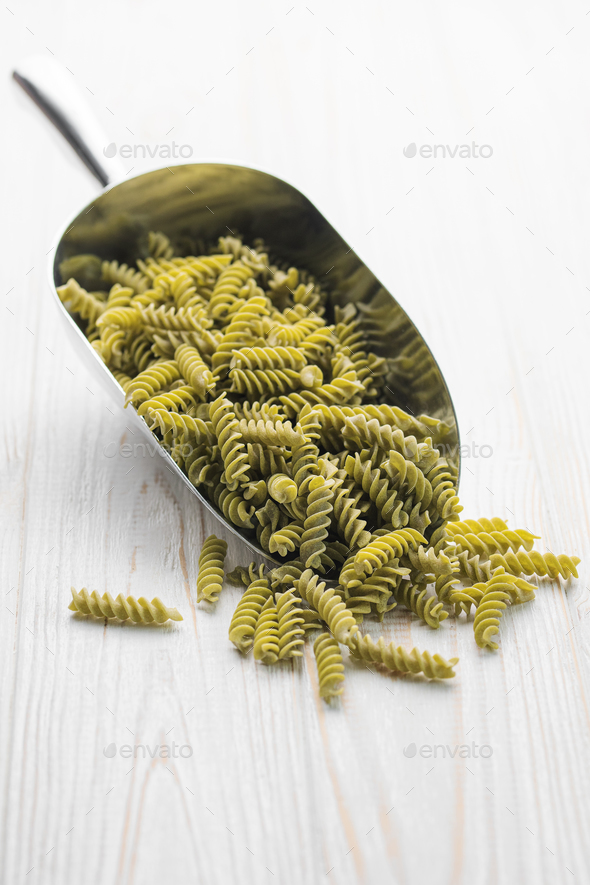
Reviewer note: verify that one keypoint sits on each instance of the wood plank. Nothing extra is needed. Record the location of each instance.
(491, 262)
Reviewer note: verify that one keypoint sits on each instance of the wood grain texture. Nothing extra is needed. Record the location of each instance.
(490, 258)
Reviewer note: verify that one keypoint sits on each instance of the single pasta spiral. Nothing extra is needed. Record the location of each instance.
(317, 520)
(518, 589)
(282, 282)
(408, 476)
(338, 390)
(227, 288)
(264, 382)
(429, 562)
(210, 578)
(388, 547)
(349, 576)
(328, 604)
(196, 372)
(268, 358)
(237, 333)
(487, 615)
(270, 432)
(481, 547)
(535, 563)
(304, 456)
(329, 665)
(234, 507)
(422, 426)
(269, 518)
(485, 543)
(266, 635)
(473, 567)
(350, 527)
(256, 411)
(376, 486)
(201, 466)
(147, 384)
(290, 620)
(245, 575)
(255, 492)
(113, 272)
(233, 450)
(267, 460)
(181, 425)
(178, 400)
(159, 245)
(140, 353)
(466, 598)
(444, 490)
(282, 488)
(140, 611)
(447, 583)
(286, 539)
(113, 338)
(184, 291)
(318, 344)
(78, 300)
(427, 608)
(123, 317)
(432, 666)
(371, 432)
(351, 340)
(171, 319)
(477, 526)
(206, 267)
(291, 336)
(245, 617)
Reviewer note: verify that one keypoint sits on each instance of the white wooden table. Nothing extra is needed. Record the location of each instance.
(490, 257)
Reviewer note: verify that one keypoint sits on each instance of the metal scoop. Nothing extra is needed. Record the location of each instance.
(206, 200)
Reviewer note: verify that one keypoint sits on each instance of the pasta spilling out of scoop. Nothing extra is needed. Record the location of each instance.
(269, 395)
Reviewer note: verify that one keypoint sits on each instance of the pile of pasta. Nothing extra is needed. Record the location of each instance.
(279, 417)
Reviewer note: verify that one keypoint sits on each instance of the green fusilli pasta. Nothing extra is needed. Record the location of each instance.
(329, 665)
(414, 597)
(194, 369)
(244, 576)
(535, 563)
(431, 666)
(328, 604)
(266, 634)
(290, 621)
(265, 387)
(140, 611)
(210, 578)
(245, 618)
(487, 615)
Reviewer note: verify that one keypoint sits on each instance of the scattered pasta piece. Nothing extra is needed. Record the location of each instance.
(245, 618)
(266, 634)
(210, 579)
(488, 613)
(432, 666)
(330, 666)
(535, 563)
(290, 619)
(140, 611)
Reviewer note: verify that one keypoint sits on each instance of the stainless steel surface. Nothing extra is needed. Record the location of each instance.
(202, 201)
(55, 93)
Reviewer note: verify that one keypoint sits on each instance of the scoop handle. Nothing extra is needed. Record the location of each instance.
(53, 90)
